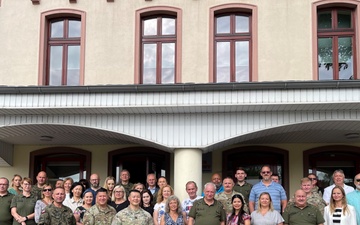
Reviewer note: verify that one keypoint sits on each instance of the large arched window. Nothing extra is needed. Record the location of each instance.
(336, 43)
(233, 43)
(158, 45)
(62, 49)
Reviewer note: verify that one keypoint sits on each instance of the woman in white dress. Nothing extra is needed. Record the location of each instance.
(265, 213)
(338, 212)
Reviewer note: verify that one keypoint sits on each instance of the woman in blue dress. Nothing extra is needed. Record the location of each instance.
(173, 212)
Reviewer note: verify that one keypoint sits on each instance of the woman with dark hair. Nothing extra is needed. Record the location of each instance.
(173, 212)
(146, 201)
(85, 183)
(238, 216)
(75, 199)
(338, 211)
(265, 213)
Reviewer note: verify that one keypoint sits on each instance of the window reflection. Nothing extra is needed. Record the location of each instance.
(242, 61)
(223, 25)
(55, 65)
(223, 62)
(74, 28)
(57, 29)
(168, 63)
(242, 24)
(168, 26)
(325, 58)
(158, 50)
(150, 26)
(149, 64)
(73, 66)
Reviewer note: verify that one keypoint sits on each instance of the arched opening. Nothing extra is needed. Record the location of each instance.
(252, 158)
(323, 161)
(139, 162)
(60, 162)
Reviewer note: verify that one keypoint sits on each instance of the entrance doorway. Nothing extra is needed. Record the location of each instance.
(323, 161)
(252, 158)
(139, 162)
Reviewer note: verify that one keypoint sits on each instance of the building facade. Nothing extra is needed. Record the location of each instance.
(182, 88)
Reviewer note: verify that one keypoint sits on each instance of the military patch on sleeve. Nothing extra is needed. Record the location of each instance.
(43, 211)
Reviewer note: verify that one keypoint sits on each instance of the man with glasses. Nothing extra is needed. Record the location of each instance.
(353, 198)
(125, 181)
(338, 178)
(5, 202)
(314, 183)
(276, 191)
(94, 185)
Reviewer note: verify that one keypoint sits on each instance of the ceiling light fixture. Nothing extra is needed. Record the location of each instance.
(46, 138)
(352, 135)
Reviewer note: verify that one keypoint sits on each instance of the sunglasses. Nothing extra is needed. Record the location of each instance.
(357, 180)
(266, 172)
(45, 190)
(312, 178)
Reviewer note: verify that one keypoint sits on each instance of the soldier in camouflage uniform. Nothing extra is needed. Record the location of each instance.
(57, 213)
(100, 213)
(312, 198)
(225, 196)
(133, 214)
(37, 188)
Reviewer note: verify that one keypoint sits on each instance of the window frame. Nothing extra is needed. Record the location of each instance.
(153, 12)
(322, 4)
(335, 34)
(46, 17)
(235, 8)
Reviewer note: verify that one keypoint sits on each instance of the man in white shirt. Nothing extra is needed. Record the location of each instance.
(191, 189)
(338, 178)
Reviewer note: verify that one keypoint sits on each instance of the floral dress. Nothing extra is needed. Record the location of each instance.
(234, 220)
(169, 221)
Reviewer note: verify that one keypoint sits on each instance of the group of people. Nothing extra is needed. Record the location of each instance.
(223, 201)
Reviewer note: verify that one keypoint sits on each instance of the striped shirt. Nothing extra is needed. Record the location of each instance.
(275, 190)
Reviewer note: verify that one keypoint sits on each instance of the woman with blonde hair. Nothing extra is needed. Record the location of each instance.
(46, 199)
(118, 199)
(265, 213)
(173, 212)
(159, 209)
(338, 212)
(15, 185)
(138, 186)
(109, 185)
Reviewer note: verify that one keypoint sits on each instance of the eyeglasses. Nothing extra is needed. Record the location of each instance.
(45, 190)
(119, 191)
(26, 184)
(357, 180)
(265, 172)
(313, 178)
(4, 184)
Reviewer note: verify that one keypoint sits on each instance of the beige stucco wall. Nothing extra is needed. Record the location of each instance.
(284, 39)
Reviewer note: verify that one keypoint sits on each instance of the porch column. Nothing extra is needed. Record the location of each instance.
(187, 167)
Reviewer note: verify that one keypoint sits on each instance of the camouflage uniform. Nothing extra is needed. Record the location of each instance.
(128, 216)
(53, 215)
(314, 199)
(36, 191)
(226, 201)
(97, 216)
